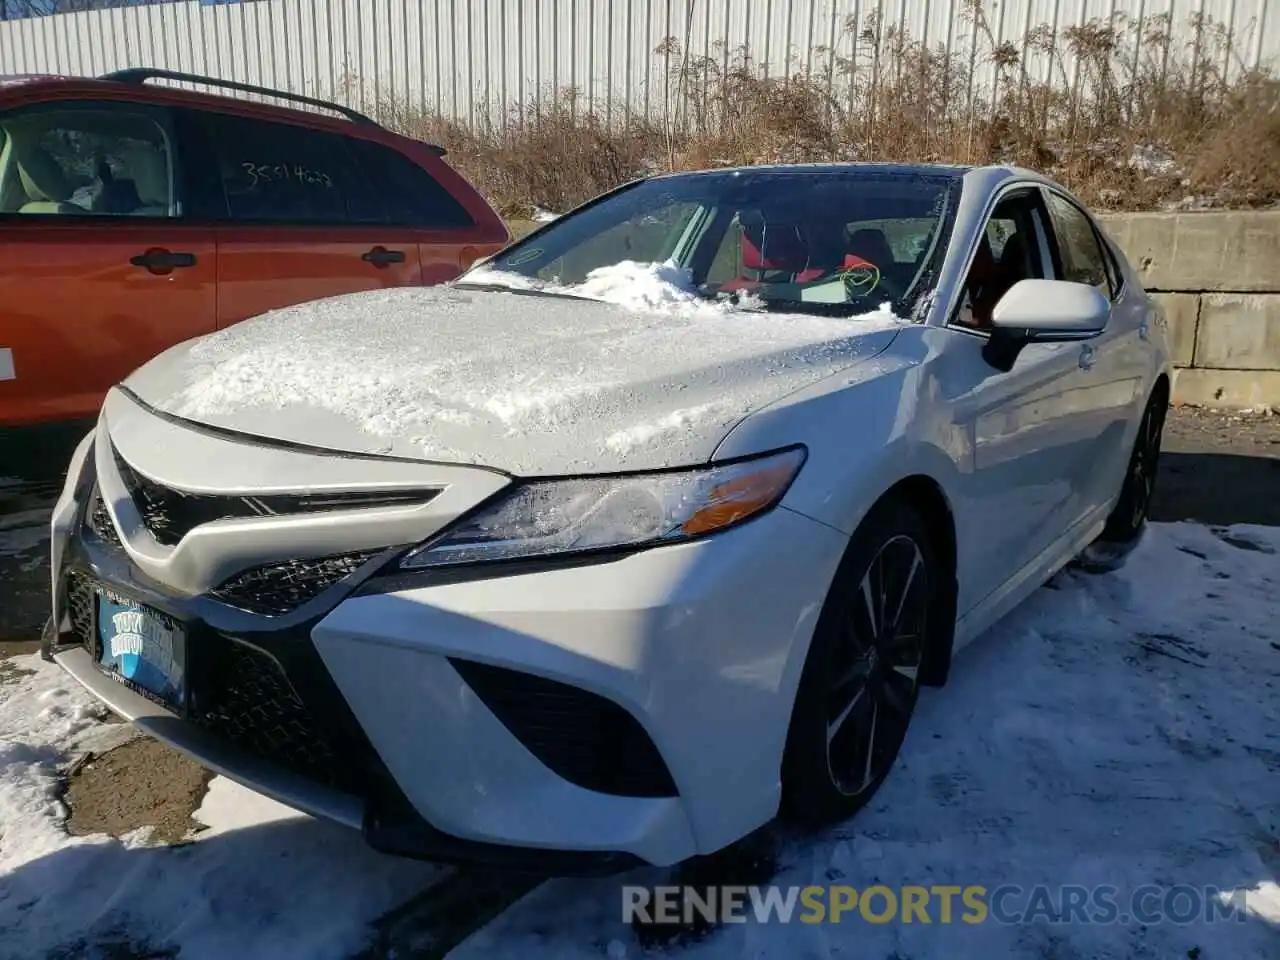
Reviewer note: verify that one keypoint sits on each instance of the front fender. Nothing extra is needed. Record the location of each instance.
(866, 429)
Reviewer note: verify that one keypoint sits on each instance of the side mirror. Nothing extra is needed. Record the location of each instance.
(1043, 311)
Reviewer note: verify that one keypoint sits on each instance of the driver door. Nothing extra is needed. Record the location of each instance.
(1028, 429)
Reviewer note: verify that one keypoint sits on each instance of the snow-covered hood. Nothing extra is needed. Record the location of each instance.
(532, 384)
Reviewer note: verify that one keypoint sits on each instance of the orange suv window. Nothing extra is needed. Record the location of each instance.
(281, 173)
(85, 161)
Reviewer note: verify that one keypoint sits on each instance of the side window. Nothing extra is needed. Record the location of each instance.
(281, 173)
(1115, 279)
(87, 160)
(1008, 251)
(410, 194)
(1082, 257)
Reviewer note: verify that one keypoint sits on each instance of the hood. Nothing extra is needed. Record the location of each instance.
(523, 382)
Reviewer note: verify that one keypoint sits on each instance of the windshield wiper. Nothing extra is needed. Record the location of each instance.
(522, 291)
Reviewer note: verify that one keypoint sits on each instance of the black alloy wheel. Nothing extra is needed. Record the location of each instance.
(861, 680)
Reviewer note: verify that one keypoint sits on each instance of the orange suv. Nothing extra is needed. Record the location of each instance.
(134, 216)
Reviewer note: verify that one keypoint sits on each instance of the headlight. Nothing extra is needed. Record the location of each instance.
(541, 518)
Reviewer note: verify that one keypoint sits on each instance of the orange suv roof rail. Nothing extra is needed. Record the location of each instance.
(140, 75)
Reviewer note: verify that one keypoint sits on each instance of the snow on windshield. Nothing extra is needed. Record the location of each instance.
(654, 287)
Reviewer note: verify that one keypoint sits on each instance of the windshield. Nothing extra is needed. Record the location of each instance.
(842, 242)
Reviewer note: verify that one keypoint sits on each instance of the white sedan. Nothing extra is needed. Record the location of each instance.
(632, 539)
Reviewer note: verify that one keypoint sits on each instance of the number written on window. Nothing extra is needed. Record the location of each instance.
(265, 172)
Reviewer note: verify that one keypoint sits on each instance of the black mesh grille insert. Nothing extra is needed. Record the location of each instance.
(244, 697)
(171, 514)
(99, 520)
(80, 612)
(279, 588)
(584, 738)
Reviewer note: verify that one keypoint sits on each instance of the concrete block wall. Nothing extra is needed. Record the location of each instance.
(1217, 275)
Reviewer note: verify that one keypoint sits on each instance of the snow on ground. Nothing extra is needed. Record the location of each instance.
(261, 882)
(1121, 729)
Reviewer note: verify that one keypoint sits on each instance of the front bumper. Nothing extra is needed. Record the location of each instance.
(570, 718)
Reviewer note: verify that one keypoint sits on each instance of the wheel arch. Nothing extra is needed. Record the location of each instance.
(1162, 387)
(926, 496)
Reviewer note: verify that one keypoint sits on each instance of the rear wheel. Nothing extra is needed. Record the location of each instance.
(1128, 519)
(859, 685)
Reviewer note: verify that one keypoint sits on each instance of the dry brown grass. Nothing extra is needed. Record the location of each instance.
(1213, 139)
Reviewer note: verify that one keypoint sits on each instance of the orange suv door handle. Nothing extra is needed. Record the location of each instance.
(382, 257)
(159, 260)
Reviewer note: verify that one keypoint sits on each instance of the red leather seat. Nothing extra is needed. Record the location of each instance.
(778, 248)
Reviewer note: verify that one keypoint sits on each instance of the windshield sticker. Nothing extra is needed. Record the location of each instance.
(524, 256)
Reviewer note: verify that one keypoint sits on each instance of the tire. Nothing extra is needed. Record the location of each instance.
(863, 668)
(1128, 518)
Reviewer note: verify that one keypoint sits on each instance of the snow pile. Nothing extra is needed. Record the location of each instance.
(1153, 161)
(663, 288)
(262, 881)
(1118, 730)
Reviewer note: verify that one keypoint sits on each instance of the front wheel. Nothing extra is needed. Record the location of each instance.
(859, 685)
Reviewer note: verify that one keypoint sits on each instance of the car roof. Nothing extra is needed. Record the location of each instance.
(954, 171)
(13, 79)
(978, 181)
(91, 86)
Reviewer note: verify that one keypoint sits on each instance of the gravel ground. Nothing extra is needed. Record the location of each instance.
(1217, 468)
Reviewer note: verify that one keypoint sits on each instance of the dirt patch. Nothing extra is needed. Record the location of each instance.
(1203, 430)
(1219, 467)
(142, 783)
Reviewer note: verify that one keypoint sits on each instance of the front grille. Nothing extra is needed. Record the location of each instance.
(99, 521)
(275, 589)
(584, 738)
(171, 514)
(244, 697)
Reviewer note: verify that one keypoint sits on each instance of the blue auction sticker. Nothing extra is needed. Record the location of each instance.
(139, 647)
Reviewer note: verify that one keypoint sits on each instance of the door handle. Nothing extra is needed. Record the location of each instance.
(159, 260)
(381, 256)
(1086, 357)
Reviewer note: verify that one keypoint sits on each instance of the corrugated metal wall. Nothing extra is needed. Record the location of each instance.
(459, 57)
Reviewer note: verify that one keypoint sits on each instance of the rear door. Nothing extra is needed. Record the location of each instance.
(100, 267)
(297, 218)
(449, 237)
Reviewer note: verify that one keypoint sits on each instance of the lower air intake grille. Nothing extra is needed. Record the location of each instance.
(280, 588)
(588, 740)
(80, 611)
(245, 698)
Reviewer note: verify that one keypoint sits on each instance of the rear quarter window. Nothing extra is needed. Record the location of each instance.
(282, 173)
(410, 194)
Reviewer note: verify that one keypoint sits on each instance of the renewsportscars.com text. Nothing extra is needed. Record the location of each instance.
(974, 904)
